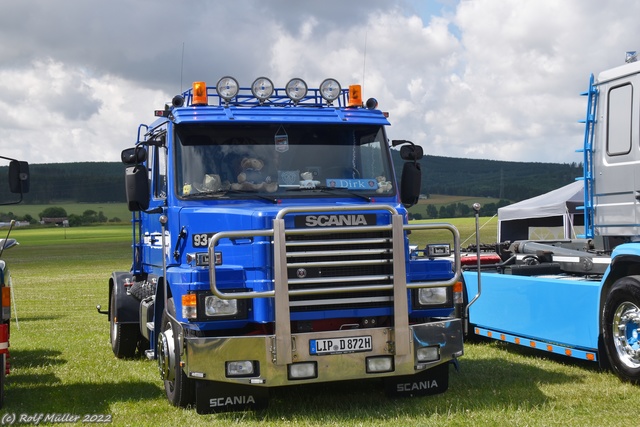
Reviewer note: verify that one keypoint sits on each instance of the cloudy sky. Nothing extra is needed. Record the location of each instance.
(489, 79)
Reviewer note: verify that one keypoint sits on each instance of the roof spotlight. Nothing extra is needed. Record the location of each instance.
(227, 88)
(372, 104)
(330, 89)
(262, 88)
(296, 89)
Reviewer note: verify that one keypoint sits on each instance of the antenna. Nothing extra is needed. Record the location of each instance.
(364, 59)
(181, 66)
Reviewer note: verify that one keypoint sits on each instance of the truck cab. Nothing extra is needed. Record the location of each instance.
(270, 248)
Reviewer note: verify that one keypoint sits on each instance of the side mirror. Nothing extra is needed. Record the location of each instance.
(19, 177)
(411, 173)
(410, 184)
(411, 152)
(137, 188)
(134, 156)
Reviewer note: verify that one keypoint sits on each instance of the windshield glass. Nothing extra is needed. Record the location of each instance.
(281, 160)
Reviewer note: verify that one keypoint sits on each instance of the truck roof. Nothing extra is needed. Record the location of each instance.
(617, 72)
(249, 105)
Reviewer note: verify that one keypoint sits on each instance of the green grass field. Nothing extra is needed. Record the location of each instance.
(62, 362)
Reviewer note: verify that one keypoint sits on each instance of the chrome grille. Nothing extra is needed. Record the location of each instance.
(337, 260)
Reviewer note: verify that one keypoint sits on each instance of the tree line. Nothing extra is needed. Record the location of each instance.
(103, 182)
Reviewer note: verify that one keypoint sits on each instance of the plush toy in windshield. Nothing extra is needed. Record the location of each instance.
(384, 186)
(251, 178)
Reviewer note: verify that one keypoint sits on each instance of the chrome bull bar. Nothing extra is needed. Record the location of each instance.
(281, 291)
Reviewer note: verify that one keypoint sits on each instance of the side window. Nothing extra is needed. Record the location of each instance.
(620, 112)
(160, 172)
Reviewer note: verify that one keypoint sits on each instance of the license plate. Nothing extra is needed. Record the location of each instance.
(340, 345)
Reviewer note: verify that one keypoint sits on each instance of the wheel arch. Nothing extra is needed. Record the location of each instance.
(621, 266)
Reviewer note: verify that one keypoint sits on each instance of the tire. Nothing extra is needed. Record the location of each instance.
(180, 390)
(620, 325)
(123, 336)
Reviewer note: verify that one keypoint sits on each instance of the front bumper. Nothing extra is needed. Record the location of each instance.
(206, 358)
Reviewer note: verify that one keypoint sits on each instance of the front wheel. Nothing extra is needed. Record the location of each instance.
(178, 387)
(621, 326)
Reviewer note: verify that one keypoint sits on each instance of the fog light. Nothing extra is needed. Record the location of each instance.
(227, 88)
(301, 371)
(262, 88)
(428, 354)
(432, 296)
(240, 368)
(296, 89)
(214, 306)
(378, 364)
(330, 90)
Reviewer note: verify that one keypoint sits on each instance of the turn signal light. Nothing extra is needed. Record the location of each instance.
(189, 309)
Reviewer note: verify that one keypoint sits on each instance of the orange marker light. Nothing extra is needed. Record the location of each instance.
(199, 93)
(457, 287)
(6, 296)
(355, 96)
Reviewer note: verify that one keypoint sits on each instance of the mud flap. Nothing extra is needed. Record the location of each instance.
(431, 381)
(213, 397)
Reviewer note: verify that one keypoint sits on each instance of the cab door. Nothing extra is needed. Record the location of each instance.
(617, 159)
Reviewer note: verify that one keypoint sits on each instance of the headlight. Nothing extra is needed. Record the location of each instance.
(214, 306)
(432, 296)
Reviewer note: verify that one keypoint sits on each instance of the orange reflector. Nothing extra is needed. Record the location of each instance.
(489, 334)
(550, 348)
(517, 340)
(532, 343)
(199, 93)
(189, 300)
(355, 96)
(477, 331)
(6, 296)
(502, 337)
(567, 351)
(591, 357)
(457, 287)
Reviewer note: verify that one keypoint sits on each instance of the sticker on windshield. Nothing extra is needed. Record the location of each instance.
(353, 184)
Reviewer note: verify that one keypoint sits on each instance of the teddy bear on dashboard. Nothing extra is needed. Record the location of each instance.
(384, 186)
(251, 178)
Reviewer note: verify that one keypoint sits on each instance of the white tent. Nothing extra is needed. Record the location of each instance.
(556, 209)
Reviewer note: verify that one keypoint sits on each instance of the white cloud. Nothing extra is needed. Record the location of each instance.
(57, 113)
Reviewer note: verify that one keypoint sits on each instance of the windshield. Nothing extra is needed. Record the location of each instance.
(307, 160)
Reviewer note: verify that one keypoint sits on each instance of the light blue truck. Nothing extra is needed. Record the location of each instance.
(581, 297)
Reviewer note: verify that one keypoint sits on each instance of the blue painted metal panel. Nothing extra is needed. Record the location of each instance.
(546, 309)
(278, 115)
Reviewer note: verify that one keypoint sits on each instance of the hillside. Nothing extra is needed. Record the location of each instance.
(100, 182)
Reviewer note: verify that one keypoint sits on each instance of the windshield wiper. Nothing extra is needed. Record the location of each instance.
(222, 193)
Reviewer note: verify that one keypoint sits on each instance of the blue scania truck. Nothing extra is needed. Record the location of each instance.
(579, 297)
(271, 248)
